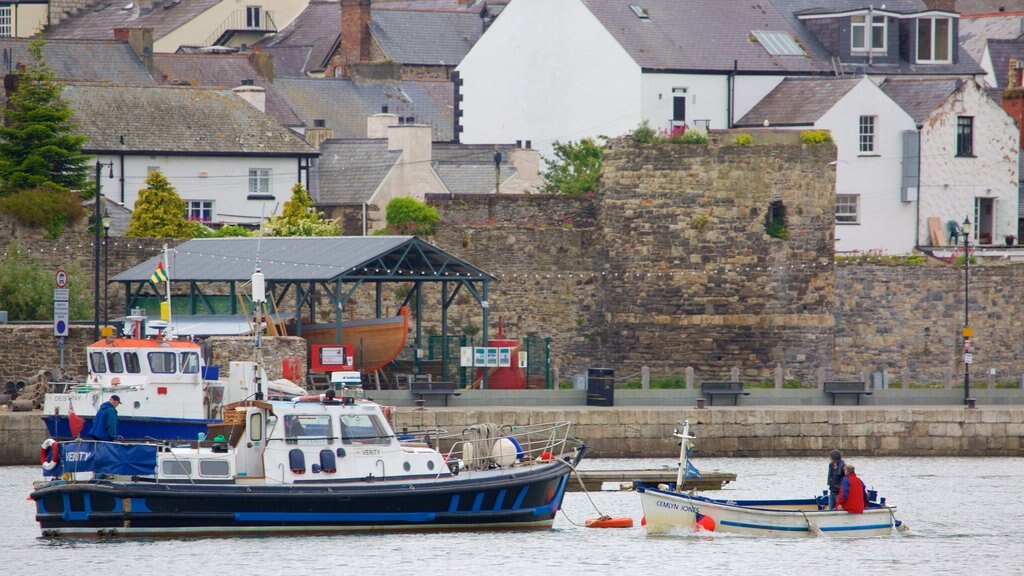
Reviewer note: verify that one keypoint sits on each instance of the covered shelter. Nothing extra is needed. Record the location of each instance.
(299, 271)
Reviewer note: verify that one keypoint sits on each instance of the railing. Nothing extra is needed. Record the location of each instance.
(238, 21)
(487, 446)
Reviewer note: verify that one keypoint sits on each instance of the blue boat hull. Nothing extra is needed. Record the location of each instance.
(134, 428)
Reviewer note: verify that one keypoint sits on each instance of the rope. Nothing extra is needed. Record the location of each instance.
(583, 486)
(811, 527)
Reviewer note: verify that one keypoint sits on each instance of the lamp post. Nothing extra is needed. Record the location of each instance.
(96, 223)
(106, 265)
(968, 332)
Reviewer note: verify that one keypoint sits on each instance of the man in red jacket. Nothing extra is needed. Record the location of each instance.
(852, 496)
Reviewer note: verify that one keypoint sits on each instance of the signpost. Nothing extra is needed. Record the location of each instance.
(61, 311)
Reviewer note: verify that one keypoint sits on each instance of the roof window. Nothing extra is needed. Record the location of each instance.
(778, 43)
(640, 12)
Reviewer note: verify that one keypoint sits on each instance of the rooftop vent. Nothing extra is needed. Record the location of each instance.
(640, 12)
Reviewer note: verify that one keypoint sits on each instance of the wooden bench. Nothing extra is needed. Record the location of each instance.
(445, 389)
(712, 389)
(847, 388)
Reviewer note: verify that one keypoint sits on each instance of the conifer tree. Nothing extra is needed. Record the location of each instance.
(38, 148)
(159, 212)
(300, 218)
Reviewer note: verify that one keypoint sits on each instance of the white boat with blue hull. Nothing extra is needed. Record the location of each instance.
(307, 466)
(668, 509)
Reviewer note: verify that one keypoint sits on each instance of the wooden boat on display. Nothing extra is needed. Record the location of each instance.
(312, 465)
(375, 342)
(668, 509)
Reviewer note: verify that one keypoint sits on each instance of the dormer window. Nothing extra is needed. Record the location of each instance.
(934, 40)
(859, 35)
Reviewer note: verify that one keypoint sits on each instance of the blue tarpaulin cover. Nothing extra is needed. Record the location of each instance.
(105, 458)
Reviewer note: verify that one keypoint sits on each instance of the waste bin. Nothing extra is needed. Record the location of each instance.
(600, 387)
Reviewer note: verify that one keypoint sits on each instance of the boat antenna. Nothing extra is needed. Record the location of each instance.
(259, 298)
(684, 452)
(168, 331)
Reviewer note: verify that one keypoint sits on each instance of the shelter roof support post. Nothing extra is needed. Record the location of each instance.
(299, 296)
(192, 298)
(486, 310)
(380, 299)
(444, 331)
(338, 309)
(419, 325)
(233, 290)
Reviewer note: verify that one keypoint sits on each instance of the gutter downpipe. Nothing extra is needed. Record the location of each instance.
(730, 88)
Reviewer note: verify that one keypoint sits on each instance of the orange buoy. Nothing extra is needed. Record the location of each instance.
(705, 523)
(643, 520)
(610, 522)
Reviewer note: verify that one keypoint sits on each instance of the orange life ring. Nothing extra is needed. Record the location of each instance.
(49, 454)
(610, 522)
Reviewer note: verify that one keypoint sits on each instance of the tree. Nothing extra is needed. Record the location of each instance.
(38, 148)
(26, 289)
(407, 215)
(300, 218)
(159, 212)
(575, 169)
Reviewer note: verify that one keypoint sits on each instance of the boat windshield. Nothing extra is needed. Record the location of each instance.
(97, 363)
(131, 360)
(115, 362)
(189, 363)
(161, 362)
(307, 429)
(363, 429)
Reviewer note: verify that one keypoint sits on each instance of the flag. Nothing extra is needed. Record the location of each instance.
(75, 422)
(158, 276)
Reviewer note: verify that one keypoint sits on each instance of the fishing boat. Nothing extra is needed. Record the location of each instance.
(311, 465)
(666, 509)
(375, 342)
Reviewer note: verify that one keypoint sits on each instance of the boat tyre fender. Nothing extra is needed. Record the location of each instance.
(49, 454)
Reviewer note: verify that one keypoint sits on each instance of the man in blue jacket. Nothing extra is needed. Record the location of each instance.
(104, 424)
(835, 476)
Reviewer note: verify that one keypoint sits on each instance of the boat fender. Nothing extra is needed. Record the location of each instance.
(519, 449)
(705, 523)
(387, 413)
(49, 454)
(546, 457)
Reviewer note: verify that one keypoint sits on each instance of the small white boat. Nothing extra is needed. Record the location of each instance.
(666, 510)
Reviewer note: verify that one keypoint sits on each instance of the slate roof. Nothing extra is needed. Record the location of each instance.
(988, 6)
(302, 259)
(461, 178)
(84, 60)
(475, 6)
(345, 105)
(919, 96)
(306, 44)
(1000, 51)
(799, 101)
(350, 171)
(706, 35)
(425, 37)
(975, 32)
(98, 21)
(223, 71)
(176, 120)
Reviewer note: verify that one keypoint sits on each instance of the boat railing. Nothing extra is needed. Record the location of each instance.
(489, 446)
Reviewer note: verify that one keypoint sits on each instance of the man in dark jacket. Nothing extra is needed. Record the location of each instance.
(104, 424)
(852, 496)
(835, 476)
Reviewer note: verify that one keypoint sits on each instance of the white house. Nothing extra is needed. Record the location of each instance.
(563, 70)
(226, 158)
(876, 211)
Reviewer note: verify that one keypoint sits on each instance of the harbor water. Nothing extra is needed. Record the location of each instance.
(963, 516)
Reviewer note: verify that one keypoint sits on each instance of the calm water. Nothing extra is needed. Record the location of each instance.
(964, 516)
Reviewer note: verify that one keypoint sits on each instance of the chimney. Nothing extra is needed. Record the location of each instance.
(255, 95)
(263, 62)
(1013, 76)
(377, 125)
(355, 33)
(318, 133)
(141, 41)
(414, 176)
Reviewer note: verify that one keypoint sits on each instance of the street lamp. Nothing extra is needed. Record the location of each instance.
(968, 332)
(96, 223)
(106, 265)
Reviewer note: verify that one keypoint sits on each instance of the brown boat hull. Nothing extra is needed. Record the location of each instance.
(375, 342)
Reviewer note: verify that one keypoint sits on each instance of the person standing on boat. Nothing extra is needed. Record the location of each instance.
(852, 496)
(836, 468)
(104, 424)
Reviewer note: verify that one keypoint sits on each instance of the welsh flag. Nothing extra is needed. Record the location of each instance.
(159, 275)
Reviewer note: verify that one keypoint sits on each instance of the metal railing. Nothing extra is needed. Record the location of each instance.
(238, 21)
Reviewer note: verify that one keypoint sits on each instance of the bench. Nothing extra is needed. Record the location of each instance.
(712, 389)
(847, 388)
(422, 389)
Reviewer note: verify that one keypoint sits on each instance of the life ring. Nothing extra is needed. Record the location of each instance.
(49, 454)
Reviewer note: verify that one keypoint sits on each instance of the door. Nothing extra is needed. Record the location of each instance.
(678, 107)
(985, 216)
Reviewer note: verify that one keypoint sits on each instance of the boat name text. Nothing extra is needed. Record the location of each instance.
(680, 507)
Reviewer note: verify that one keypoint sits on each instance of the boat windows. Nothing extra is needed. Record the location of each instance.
(131, 361)
(363, 429)
(255, 427)
(97, 364)
(115, 362)
(218, 468)
(161, 362)
(189, 363)
(176, 468)
(307, 429)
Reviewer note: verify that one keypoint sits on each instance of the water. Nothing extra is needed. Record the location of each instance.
(963, 514)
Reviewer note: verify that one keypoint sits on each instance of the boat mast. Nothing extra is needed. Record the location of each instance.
(684, 451)
(168, 330)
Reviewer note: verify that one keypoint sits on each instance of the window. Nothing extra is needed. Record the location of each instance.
(161, 362)
(151, 169)
(934, 40)
(259, 180)
(219, 468)
(5, 21)
(176, 467)
(867, 133)
(847, 208)
(858, 33)
(255, 427)
(115, 362)
(189, 363)
(965, 135)
(200, 210)
(307, 429)
(363, 429)
(778, 43)
(97, 363)
(131, 360)
(252, 16)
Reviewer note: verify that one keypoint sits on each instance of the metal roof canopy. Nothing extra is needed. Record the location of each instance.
(305, 263)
